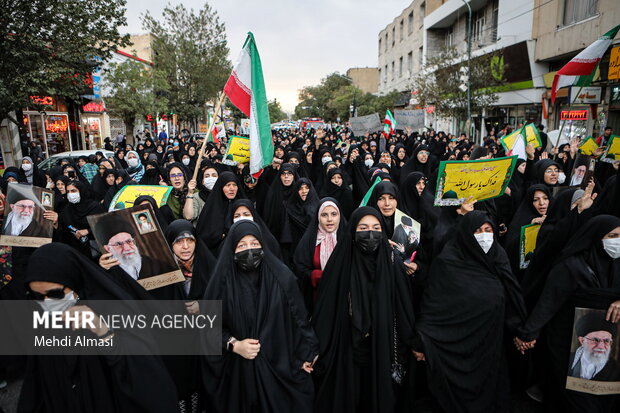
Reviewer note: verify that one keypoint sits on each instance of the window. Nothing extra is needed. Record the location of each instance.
(493, 33)
(478, 26)
(423, 10)
(393, 71)
(410, 63)
(400, 67)
(393, 36)
(402, 30)
(379, 46)
(449, 37)
(385, 74)
(386, 42)
(578, 10)
(410, 23)
(421, 55)
(380, 75)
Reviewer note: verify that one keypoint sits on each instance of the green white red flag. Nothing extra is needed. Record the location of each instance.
(246, 90)
(389, 124)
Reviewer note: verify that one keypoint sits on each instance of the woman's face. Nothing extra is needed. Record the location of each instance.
(521, 168)
(615, 233)
(43, 287)
(385, 158)
(247, 242)
(466, 157)
(191, 151)
(210, 173)
(242, 211)
(540, 202)
(486, 227)
(279, 153)
(401, 153)
(420, 186)
(309, 157)
(287, 178)
(368, 156)
(368, 223)
(72, 189)
(184, 248)
(304, 190)
(230, 190)
(336, 179)
(177, 179)
(329, 219)
(387, 205)
(423, 156)
(109, 179)
(551, 175)
(61, 187)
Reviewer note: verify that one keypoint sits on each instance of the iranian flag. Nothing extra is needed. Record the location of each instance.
(246, 90)
(580, 70)
(389, 124)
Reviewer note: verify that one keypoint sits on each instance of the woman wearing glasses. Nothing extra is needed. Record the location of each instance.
(177, 178)
(587, 275)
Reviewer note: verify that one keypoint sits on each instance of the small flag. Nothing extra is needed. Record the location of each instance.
(389, 124)
(246, 90)
(369, 192)
(580, 70)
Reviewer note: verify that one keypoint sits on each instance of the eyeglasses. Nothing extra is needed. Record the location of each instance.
(597, 341)
(24, 206)
(120, 244)
(176, 175)
(56, 293)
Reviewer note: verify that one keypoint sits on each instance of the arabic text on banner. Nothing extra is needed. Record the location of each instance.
(128, 194)
(527, 244)
(238, 149)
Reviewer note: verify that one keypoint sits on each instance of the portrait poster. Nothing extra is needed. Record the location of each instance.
(134, 238)
(480, 179)
(588, 146)
(527, 244)
(407, 233)
(593, 364)
(128, 194)
(24, 224)
(612, 152)
(238, 150)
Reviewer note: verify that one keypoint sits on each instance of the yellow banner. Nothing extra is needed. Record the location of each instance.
(614, 64)
(238, 149)
(529, 234)
(481, 179)
(612, 153)
(126, 197)
(588, 146)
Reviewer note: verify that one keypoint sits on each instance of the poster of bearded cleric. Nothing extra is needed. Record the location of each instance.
(134, 239)
(593, 365)
(24, 223)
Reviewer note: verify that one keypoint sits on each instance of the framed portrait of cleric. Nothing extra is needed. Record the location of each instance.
(593, 365)
(141, 253)
(406, 233)
(24, 224)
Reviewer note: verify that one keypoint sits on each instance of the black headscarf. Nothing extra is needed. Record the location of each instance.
(76, 216)
(266, 305)
(212, 220)
(151, 176)
(540, 168)
(363, 311)
(414, 165)
(382, 188)
(341, 193)
(270, 240)
(468, 291)
(299, 213)
(278, 194)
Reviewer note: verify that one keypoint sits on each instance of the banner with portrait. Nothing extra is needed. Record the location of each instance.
(24, 224)
(128, 194)
(134, 238)
(612, 152)
(480, 179)
(527, 244)
(407, 232)
(238, 150)
(593, 364)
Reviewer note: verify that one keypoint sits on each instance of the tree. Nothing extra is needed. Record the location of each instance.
(135, 91)
(190, 50)
(314, 101)
(276, 113)
(52, 47)
(440, 83)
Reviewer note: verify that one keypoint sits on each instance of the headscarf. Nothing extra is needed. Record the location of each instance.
(270, 240)
(327, 240)
(137, 172)
(380, 189)
(341, 193)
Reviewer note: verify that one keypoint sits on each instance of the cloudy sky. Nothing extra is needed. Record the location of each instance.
(300, 42)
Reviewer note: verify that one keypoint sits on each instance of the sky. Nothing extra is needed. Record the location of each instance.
(299, 42)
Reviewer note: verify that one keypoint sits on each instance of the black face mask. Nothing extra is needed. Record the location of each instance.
(249, 260)
(368, 241)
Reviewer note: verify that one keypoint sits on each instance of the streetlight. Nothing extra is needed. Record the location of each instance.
(468, 67)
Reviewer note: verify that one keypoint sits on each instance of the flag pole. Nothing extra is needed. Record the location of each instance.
(211, 124)
(570, 105)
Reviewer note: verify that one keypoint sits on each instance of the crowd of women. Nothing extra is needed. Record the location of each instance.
(321, 310)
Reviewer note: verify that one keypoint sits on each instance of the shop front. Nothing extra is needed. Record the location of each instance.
(49, 128)
(93, 124)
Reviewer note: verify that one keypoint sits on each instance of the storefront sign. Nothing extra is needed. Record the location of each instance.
(614, 64)
(42, 100)
(574, 114)
(56, 124)
(588, 95)
(93, 107)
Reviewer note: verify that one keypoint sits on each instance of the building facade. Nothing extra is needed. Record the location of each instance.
(364, 78)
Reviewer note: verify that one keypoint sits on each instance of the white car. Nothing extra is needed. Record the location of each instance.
(74, 155)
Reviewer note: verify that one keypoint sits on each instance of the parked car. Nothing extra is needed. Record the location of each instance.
(74, 155)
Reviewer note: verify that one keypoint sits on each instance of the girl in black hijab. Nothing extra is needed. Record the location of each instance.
(60, 192)
(587, 275)
(316, 246)
(244, 209)
(281, 189)
(151, 174)
(121, 178)
(363, 318)
(336, 188)
(418, 203)
(268, 347)
(300, 209)
(98, 384)
(470, 298)
(212, 221)
(384, 199)
(79, 206)
(421, 161)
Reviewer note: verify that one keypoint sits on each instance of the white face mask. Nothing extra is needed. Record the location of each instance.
(369, 163)
(73, 197)
(241, 218)
(26, 166)
(209, 181)
(612, 247)
(50, 304)
(561, 178)
(485, 240)
(185, 161)
(326, 159)
(133, 162)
